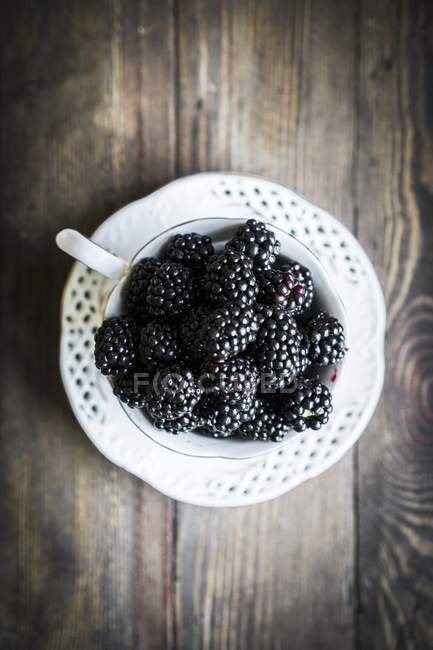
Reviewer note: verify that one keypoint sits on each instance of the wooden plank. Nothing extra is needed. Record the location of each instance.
(87, 124)
(395, 200)
(263, 89)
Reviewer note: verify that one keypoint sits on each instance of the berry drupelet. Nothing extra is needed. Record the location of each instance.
(257, 242)
(116, 346)
(326, 338)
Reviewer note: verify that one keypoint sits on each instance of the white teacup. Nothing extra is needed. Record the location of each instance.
(221, 229)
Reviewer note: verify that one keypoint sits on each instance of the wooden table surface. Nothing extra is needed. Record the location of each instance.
(103, 102)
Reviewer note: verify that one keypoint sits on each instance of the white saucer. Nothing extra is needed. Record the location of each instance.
(216, 481)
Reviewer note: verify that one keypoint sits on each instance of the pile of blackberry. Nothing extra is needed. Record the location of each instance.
(222, 343)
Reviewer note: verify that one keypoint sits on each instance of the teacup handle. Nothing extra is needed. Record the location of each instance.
(86, 251)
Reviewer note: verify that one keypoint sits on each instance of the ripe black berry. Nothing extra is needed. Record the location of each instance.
(170, 290)
(229, 277)
(326, 338)
(158, 343)
(257, 242)
(129, 391)
(266, 425)
(137, 285)
(116, 346)
(188, 331)
(231, 381)
(173, 393)
(306, 406)
(222, 419)
(226, 332)
(302, 294)
(191, 249)
(277, 346)
(290, 287)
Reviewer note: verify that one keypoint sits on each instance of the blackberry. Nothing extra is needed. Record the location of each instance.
(229, 277)
(222, 419)
(277, 346)
(185, 424)
(137, 285)
(191, 249)
(226, 332)
(130, 392)
(254, 240)
(172, 394)
(188, 331)
(306, 406)
(326, 338)
(290, 287)
(266, 425)
(158, 343)
(116, 346)
(232, 381)
(170, 290)
(302, 294)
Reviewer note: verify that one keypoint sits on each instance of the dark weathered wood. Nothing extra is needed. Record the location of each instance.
(87, 125)
(258, 89)
(395, 200)
(100, 104)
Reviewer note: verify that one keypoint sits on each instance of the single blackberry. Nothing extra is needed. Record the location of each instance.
(229, 277)
(185, 424)
(257, 242)
(158, 343)
(191, 249)
(275, 286)
(137, 285)
(170, 290)
(172, 394)
(116, 346)
(130, 391)
(290, 287)
(226, 332)
(222, 419)
(277, 346)
(306, 406)
(302, 294)
(231, 381)
(188, 330)
(266, 425)
(326, 337)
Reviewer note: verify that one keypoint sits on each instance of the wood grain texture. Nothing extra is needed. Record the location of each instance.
(85, 543)
(395, 199)
(102, 102)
